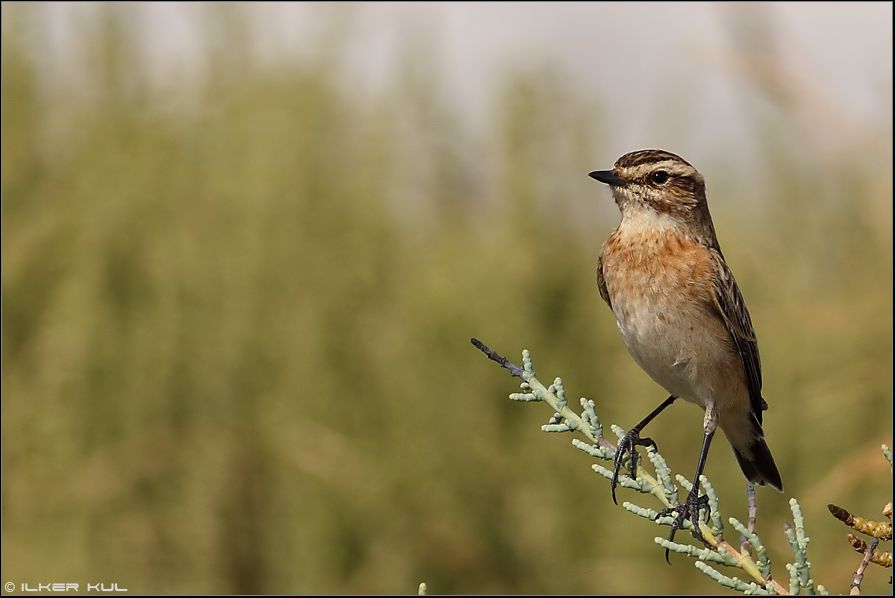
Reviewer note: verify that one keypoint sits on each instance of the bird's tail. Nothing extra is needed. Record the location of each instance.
(754, 456)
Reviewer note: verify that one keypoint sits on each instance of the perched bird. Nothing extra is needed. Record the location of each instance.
(681, 314)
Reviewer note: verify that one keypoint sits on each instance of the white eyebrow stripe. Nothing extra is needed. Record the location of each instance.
(674, 167)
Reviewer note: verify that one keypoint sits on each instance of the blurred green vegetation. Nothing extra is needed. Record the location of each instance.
(235, 330)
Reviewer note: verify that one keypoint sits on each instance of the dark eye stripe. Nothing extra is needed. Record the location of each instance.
(686, 182)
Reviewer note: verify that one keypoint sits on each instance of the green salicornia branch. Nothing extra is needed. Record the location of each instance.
(800, 580)
(662, 486)
(761, 554)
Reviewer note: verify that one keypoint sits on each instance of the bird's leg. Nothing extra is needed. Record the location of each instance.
(629, 443)
(691, 507)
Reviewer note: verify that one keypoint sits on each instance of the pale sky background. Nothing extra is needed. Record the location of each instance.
(623, 55)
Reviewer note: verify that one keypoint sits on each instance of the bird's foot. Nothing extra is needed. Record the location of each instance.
(689, 510)
(628, 446)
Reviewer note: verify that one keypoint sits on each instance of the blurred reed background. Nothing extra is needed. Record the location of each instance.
(236, 317)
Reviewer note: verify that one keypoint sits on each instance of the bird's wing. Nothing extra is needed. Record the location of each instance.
(732, 307)
(601, 281)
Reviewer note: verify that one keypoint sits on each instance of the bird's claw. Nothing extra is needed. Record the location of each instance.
(628, 446)
(689, 510)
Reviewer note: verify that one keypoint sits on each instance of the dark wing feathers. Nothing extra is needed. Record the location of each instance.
(732, 308)
(601, 282)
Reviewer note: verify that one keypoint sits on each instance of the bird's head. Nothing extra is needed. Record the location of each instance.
(657, 181)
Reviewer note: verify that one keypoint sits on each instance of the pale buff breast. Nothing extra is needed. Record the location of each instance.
(660, 285)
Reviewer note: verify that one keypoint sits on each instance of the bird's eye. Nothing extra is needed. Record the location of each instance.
(660, 177)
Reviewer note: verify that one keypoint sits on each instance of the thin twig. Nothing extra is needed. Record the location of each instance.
(881, 558)
(753, 513)
(855, 588)
(493, 355)
(753, 506)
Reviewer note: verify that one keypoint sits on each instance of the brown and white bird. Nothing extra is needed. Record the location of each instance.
(681, 314)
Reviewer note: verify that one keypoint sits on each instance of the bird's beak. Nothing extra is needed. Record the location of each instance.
(610, 177)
